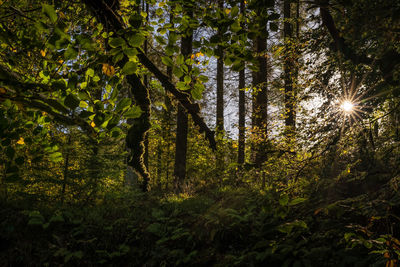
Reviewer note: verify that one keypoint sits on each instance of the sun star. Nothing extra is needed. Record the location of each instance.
(347, 106)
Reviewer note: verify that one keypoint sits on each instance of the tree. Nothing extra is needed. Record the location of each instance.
(260, 88)
(289, 70)
(182, 117)
(136, 134)
(242, 106)
(220, 89)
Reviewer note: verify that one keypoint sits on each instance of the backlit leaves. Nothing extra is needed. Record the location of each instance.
(21, 141)
(167, 61)
(136, 40)
(133, 113)
(116, 42)
(49, 11)
(108, 70)
(129, 68)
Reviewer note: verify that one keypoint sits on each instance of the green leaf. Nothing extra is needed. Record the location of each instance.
(135, 20)
(136, 40)
(87, 42)
(129, 68)
(133, 113)
(123, 104)
(71, 101)
(49, 11)
(157, 213)
(116, 42)
(234, 11)
(113, 122)
(167, 61)
(90, 72)
(160, 40)
(187, 79)
(116, 132)
(56, 157)
(118, 57)
(35, 218)
(70, 53)
(180, 59)
(203, 78)
(178, 72)
(235, 27)
(83, 95)
(7, 103)
(283, 200)
(155, 228)
(83, 85)
(296, 201)
(130, 52)
(56, 218)
(197, 92)
(182, 86)
(238, 65)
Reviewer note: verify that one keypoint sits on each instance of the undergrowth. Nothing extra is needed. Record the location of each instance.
(226, 227)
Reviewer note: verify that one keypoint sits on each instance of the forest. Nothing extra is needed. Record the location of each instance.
(200, 133)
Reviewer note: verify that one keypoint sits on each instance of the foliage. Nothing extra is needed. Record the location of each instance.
(89, 89)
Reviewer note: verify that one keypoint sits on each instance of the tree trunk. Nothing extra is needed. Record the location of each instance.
(242, 109)
(242, 118)
(145, 7)
(135, 136)
(260, 101)
(167, 120)
(220, 129)
(182, 122)
(289, 71)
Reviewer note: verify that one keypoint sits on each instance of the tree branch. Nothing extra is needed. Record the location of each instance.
(109, 16)
(340, 44)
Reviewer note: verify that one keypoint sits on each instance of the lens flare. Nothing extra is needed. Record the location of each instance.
(347, 106)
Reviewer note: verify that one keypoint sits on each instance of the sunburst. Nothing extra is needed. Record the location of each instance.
(347, 106)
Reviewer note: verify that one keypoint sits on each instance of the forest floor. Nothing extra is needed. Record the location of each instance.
(223, 227)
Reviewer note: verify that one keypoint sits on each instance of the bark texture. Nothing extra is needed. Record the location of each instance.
(242, 108)
(182, 122)
(260, 101)
(289, 70)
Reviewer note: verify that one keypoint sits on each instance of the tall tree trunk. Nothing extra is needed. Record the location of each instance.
(220, 91)
(167, 120)
(220, 101)
(242, 118)
(260, 100)
(289, 71)
(242, 108)
(181, 148)
(182, 122)
(145, 7)
(131, 176)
